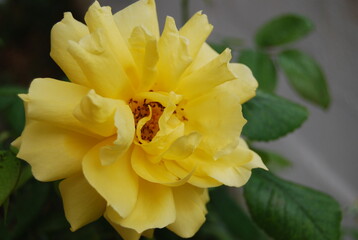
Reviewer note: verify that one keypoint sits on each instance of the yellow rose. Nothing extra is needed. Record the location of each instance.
(146, 125)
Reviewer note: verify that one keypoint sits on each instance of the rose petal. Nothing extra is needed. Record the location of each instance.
(61, 33)
(190, 209)
(53, 153)
(81, 202)
(116, 183)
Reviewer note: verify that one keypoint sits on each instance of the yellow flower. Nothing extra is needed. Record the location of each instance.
(146, 125)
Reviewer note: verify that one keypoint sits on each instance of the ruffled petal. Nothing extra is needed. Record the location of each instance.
(81, 202)
(53, 153)
(126, 233)
(116, 183)
(218, 118)
(155, 172)
(207, 77)
(141, 13)
(149, 212)
(174, 56)
(124, 123)
(190, 210)
(97, 113)
(100, 65)
(183, 147)
(144, 49)
(196, 30)
(98, 17)
(197, 178)
(233, 169)
(61, 33)
(53, 101)
(205, 55)
(245, 85)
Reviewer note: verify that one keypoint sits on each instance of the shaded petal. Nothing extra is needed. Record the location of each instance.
(81, 202)
(97, 113)
(155, 208)
(116, 183)
(183, 147)
(207, 77)
(124, 123)
(141, 13)
(205, 55)
(154, 172)
(53, 101)
(233, 169)
(190, 210)
(100, 65)
(61, 33)
(174, 56)
(98, 17)
(217, 116)
(196, 30)
(144, 49)
(53, 153)
(199, 180)
(245, 84)
(126, 233)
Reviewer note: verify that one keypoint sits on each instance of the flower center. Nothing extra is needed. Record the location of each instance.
(143, 109)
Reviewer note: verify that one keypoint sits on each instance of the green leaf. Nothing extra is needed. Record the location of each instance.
(283, 29)
(270, 117)
(272, 160)
(261, 66)
(287, 210)
(228, 212)
(9, 174)
(26, 205)
(12, 107)
(305, 76)
(8, 94)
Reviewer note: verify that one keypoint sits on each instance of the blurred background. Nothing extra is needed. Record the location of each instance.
(324, 151)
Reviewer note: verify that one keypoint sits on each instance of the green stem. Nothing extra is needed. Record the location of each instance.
(184, 11)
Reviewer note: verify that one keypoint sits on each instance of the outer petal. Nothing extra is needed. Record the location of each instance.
(233, 169)
(81, 202)
(245, 84)
(100, 65)
(174, 56)
(217, 116)
(116, 183)
(205, 55)
(53, 101)
(207, 77)
(141, 13)
(196, 30)
(190, 209)
(150, 212)
(61, 33)
(98, 17)
(144, 49)
(126, 233)
(53, 153)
